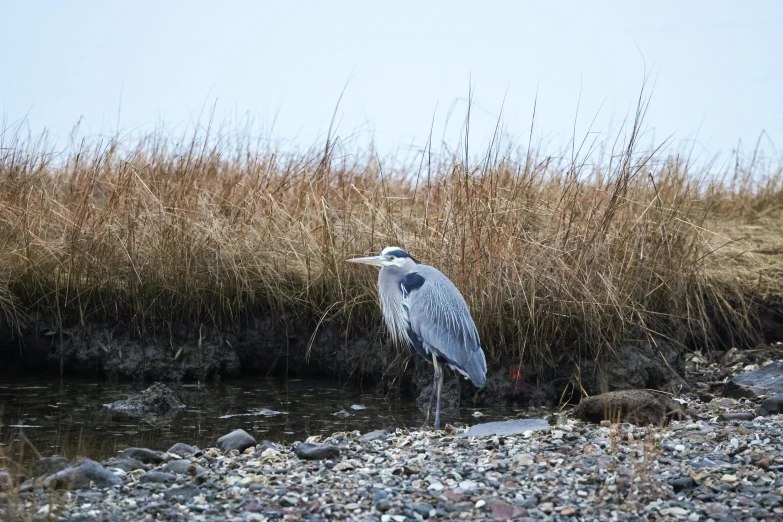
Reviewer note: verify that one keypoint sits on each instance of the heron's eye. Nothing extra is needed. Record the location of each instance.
(391, 258)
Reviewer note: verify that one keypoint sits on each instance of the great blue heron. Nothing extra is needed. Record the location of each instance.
(423, 308)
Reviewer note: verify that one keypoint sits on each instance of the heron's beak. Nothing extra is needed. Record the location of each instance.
(372, 260)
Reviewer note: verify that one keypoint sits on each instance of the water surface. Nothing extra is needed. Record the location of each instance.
(66, 417)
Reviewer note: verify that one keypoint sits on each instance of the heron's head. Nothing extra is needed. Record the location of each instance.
(388, 257)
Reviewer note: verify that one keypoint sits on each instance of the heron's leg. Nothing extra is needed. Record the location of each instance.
(432, 392)
(439, 373)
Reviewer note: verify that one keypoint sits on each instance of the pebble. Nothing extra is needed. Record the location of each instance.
(238, 440)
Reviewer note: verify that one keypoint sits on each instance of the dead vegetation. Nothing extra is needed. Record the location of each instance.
(578, 251)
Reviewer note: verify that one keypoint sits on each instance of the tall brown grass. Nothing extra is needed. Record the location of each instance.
(577, 250)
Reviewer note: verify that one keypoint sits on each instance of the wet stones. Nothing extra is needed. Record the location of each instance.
(87, 473)
(635, 406)
(316, 451)
(238, 440)
(143, 455)
(772, 405)
(49, 466)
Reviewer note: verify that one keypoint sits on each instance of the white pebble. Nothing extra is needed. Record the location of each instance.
(480, 503)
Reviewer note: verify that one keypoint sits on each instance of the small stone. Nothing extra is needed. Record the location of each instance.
(728, 478)
(358, 407)
(238, 440)
(383, 505)
(772, 405)
(741, 416)
(289, 501)
(373, 435)
(679, 447)
(183, 467)
(49, 465)
(344, 466)
(480, 504)
(763, 463)
(352, 506)
(183, 450)
(157, 477)
(182, 494)
(682, 483)
(694, 517)
(126, 464)
(316, 451)
(143, 455)
(422, 508)
(676, 511)
(567, 511)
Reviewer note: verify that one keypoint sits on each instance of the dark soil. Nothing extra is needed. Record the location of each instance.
(264, 346)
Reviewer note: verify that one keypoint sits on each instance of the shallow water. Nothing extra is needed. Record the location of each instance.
(67, 418)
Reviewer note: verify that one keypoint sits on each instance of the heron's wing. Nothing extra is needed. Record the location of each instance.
(439, 319)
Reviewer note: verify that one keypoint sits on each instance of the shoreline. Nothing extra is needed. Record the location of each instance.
(700, 468)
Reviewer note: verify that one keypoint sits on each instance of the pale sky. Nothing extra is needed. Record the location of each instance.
(716, 65)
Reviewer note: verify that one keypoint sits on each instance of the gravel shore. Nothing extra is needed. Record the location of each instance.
(721, 463)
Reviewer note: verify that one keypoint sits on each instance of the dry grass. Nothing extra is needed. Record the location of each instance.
(550, 252)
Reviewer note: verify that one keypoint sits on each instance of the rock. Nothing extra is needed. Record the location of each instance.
(238, 440)
(81, 476)
(422, 508)
(506, 428)
(358, 407)
(635, 406)
(157, 477)
(183, 467)
(143, 455)
(126, 464)
(736, 416)
(316, 451)
(6, 482)
(772, 405)
(383, 505)
(49, 466)
(767, 379)
(182, 494)
(373, 435)
(157, 399)
(683, 483)
(183, 450)
(502, 510)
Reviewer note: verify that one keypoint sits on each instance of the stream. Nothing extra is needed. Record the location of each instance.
(67, 417)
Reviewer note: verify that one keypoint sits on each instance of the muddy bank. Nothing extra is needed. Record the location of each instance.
(265, 346)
